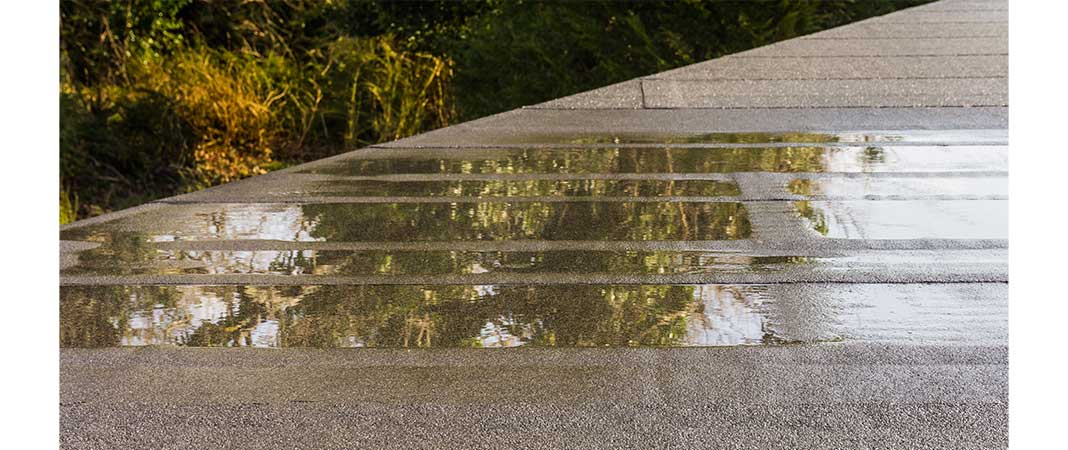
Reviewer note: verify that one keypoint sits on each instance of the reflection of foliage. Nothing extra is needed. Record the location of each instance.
(100, 316)
(387, 316)
(531, 188)
(86, 321)
(379, 315)
(128, 260)
(587, 316)
(709, 138)
(411, 316)
(814, 215)
(802, 186)
(776, 263)
(124, 253)
(872, 156)
(530, 220)
(583, 161)
(232, 328)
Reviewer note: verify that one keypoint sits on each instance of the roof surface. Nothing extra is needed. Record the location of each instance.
(802, 245)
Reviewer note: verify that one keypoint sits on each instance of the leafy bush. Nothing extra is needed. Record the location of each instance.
(201, 117)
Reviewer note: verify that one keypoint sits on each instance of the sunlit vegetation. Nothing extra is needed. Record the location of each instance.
(159, 97)
(68, 207)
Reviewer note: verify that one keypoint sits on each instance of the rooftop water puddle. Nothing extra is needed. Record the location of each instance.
(565, 246)
(859, 137)
(718, 138)
(405, 222)
(668, 161)
(134, 256)
(527, 188)
(139, 258)
(545, 316)
(978, 187)
(907, 219)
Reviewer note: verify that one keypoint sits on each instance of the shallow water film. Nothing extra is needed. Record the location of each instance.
(567, 241)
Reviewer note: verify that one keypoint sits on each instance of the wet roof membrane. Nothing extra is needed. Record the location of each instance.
(802, 245)
(704, 240)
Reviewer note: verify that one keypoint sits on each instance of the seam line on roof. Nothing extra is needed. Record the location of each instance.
(948, 77)
(641, 88)
(737, 55)
(705, 108)
(922, 10)
(659, 145)
(987, 22)
(740, 55)
(900, 38)
(850, 38)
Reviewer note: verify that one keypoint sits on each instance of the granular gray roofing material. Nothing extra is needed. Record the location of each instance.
(801, 245)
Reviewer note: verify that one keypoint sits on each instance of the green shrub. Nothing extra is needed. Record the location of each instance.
(120, 147)
(202, 117)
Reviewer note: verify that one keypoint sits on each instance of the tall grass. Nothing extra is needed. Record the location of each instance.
(201, 116)
(68, 207)
(391, 94)
(227, 108)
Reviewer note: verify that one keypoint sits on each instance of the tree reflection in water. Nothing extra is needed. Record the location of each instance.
(408, 316)
(459, 221)
(583, 161)
(530, 220)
